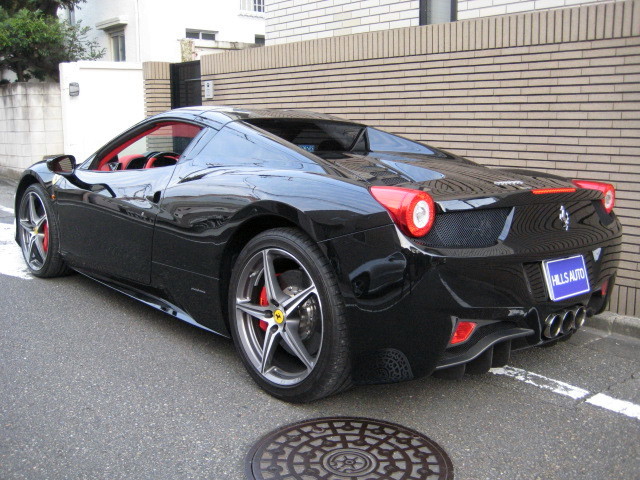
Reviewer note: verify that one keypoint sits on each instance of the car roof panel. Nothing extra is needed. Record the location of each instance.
(221, 114)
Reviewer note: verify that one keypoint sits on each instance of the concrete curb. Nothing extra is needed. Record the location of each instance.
(611, 322)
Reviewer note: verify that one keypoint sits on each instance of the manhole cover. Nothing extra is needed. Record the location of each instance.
(346, 449)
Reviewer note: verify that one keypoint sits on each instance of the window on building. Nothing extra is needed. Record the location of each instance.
(252, 6)
(118, 51)
(259, 40)
(200, 34)
(438, 11)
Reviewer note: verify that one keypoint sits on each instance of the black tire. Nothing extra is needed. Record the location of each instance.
(300, 310)
(39, 234)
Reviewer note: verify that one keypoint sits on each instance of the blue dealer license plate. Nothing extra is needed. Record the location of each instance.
(566, 277)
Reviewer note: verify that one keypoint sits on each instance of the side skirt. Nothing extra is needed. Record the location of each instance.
(151, 300)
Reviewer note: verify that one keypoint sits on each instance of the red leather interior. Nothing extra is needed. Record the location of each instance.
(175, 129)
(151, 162)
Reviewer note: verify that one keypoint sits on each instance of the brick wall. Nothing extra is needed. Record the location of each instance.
(293, 21)
(30, 125)
(298, 20)
(553, 90)
(157, 87)
(487, 8)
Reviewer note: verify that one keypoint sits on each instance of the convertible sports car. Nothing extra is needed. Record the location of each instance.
(332, 253)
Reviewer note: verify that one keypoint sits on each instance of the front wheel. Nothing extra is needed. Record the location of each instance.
(38, 234)
(287, 317)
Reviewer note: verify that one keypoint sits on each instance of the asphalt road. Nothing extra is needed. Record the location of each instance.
(96, 385)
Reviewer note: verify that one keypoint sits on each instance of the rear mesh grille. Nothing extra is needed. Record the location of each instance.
(470, 229)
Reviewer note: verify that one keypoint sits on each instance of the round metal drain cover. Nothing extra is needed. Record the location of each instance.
(344, 448)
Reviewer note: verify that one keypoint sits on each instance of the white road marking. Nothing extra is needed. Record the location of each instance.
(6, 209)
(615, 405)
(601, 400)
(11, 260)
(541, 381)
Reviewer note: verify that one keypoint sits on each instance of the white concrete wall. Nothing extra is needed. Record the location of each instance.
(154, 28)
(30, 125)
(297, 20)
(111, 100)
(488, 8)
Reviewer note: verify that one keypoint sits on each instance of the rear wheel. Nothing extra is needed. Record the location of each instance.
(38, 234)
(287, 317)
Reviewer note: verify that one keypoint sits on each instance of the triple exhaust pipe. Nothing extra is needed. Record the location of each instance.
(564, 322)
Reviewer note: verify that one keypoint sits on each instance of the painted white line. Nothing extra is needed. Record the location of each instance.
(599, 399)
(541, 381)
(615, 405)
(11, 261)
(6, 209)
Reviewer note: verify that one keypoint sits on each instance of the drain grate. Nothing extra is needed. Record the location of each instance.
(343, 448)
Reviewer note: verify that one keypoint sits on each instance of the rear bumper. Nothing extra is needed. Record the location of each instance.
(404, 301)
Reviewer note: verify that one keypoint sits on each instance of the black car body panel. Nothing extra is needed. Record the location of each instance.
(169, 236)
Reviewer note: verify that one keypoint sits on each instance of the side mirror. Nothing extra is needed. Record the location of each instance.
(62, 165)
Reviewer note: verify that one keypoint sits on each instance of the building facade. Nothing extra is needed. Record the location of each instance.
(297, 20)
(165, 30)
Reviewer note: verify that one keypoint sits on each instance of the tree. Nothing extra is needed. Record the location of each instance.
(32, 44)
(48, 7)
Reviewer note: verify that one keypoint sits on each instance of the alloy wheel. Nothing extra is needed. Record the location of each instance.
(279, 317)
(34, 230)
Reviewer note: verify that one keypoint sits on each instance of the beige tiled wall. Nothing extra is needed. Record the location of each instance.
(157, 87)
(553, 90)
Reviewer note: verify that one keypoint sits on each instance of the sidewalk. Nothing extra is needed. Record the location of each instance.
(608, 322)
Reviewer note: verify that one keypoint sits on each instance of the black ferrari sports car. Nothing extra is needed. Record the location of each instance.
(332, 253)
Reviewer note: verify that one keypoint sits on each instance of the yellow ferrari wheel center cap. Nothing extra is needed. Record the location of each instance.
(278, 316)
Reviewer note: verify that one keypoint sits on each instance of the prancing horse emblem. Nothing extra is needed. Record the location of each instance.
(564, 218)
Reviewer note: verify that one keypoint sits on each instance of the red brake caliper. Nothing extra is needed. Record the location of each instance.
(263, 303)
(45, 242)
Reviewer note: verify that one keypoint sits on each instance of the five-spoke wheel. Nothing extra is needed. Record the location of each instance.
(34, 230)
(279, 315)
(286, 317)
(38, 233)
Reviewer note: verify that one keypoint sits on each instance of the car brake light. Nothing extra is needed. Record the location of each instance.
(463, 332)
(543, 191)
(608, 192)
(412, 210)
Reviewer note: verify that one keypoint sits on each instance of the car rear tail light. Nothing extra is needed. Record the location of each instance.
(463, 332)
(412, 210)
(608, 190)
